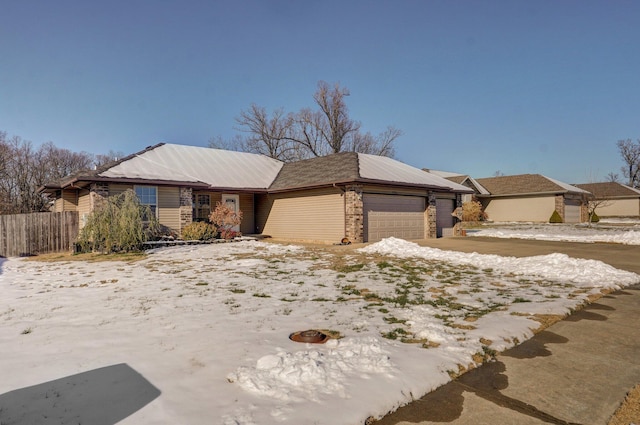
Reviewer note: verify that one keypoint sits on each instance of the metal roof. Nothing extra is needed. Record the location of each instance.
(215, 167)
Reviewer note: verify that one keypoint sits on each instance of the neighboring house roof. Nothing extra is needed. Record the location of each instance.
(352, 167)
(609, 190)
(462, 179)
(526, 184)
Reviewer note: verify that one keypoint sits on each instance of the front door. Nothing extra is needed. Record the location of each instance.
(233, 202)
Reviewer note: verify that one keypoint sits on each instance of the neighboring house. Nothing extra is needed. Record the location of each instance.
(532, 198)
(614, 199)
(464, 180)
(357, 196)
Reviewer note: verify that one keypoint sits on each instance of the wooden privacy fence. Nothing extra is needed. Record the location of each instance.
(37, 233)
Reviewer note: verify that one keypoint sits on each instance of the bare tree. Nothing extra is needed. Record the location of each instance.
(107, 158)
(311, 133)
(630, 153)
(613, 177)
(23, 169)
(267, 135)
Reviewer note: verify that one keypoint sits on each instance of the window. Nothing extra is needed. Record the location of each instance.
(201, 207)
(148, 195)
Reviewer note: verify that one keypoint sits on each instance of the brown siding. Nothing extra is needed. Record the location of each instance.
(84, 206)
(169, 207)
(68, 201)
(313, 215)
(117, 189)
(248, 224)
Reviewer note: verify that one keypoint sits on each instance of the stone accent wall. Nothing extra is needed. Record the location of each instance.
(354, 214)
(560, 205)
(584, 211)
(99, 192)
(430, 229)
(457, 226)
(186, 207)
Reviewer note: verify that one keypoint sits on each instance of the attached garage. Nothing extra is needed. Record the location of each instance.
(572, 211)
(444, 217)
(393, 216)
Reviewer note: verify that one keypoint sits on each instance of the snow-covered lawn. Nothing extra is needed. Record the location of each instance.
(208, 325)
(612, 231)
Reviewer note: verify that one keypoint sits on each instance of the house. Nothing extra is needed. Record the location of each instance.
(532, 198)
(614, 199)
(463, 179)
(360, 197)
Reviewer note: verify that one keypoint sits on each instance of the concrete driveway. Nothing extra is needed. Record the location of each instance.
(577, 371)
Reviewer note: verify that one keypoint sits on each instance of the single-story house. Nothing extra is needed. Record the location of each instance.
(531, 198)
(360, 197)
(463, 179)
(614, 199)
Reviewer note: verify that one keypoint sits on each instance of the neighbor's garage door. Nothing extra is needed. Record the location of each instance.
(444, 219)
(571, 211)
(393, 215)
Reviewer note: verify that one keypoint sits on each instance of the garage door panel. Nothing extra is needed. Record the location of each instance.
(393, 216)
(444, 217)
(572, 211)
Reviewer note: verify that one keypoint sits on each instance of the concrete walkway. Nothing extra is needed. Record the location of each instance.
(577, 371)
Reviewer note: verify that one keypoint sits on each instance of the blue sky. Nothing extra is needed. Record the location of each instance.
(476, 86)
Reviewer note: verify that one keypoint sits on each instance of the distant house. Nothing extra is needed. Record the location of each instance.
(617, 199)
(531, 198)
(348, 195)
(463, 179)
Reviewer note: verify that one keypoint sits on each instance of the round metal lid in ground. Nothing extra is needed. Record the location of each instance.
(310, 336)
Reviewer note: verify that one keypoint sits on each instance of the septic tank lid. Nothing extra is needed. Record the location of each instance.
(310, 336)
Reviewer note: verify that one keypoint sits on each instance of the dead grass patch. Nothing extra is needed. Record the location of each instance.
(629, 410)
(91, 257)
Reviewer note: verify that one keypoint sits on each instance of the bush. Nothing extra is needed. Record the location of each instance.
(118, 224)
(225, 219)
(594, 217)
(472, 211)
(199, 231)
(555, 217)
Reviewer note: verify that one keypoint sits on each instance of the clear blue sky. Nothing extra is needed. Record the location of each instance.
(543, 86)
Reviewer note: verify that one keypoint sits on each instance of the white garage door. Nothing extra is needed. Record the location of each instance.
(391, 215)
(444, 219)
(571, 211)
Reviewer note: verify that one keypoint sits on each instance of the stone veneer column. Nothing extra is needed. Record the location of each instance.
(560, 206)
(354, 214)
(186, 207)
(457, 226)
(430, 229)
(98, 193)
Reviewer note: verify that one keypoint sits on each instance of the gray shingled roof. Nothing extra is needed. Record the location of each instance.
(610, 190)
(526, 184)
(347, 167)
(338, 168)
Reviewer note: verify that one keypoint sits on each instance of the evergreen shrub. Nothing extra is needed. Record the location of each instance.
(555, 217)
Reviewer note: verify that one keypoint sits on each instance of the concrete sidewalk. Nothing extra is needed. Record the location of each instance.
(578, 371)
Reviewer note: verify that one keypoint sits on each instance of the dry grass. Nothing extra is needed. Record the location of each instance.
(629, 410)
(89, 257)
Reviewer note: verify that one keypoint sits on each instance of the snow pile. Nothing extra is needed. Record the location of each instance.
(564, 233)
(304, 375)
(556, 266)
